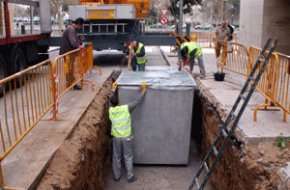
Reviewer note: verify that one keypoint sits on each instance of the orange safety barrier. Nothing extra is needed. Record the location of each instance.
(274, 84)
(266, 85)
(70, 70)
(282, 87)
(87, 54)
(28, 95)
(26, 98)
(205, 39)
(235, 58)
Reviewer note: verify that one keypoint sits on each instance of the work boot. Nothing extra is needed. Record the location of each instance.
(202, 76)
(132, 179)
(116, 179)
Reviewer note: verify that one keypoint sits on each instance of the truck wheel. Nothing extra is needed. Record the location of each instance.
(3, 72)
(18, 59)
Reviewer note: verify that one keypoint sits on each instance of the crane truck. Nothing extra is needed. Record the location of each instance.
(111, 23)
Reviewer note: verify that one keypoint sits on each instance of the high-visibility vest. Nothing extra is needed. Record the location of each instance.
(143, 59)
(121, 121)
(191, 47)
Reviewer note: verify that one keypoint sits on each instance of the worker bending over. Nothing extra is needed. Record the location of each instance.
(191, 51)
(140, 55)
(121, 130)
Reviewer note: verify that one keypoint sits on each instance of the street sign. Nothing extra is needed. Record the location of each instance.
(163, 11)
(163, 20)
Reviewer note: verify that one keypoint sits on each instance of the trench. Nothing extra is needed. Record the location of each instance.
(83, 161)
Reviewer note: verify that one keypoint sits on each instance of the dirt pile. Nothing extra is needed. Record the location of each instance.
(82, 160)
(252, 166)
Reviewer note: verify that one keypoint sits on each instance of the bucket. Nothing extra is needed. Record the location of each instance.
(219, 76)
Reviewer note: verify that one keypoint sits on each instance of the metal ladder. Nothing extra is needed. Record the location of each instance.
(229, 126)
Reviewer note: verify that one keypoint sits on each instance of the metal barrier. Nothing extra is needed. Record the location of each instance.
(70, 70)
(31, 93)
(235, 58)
(282, 87)
(266, 85)
(26, 99)
(87, 54)
(205, 39)
(274, 84)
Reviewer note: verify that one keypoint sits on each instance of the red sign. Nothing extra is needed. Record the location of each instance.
(163, 11)
(163, 20)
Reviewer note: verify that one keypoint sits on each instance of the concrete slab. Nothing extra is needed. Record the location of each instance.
(228, 97)
(25, 164)
(268, 126)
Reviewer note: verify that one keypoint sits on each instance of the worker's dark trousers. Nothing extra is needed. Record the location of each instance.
(141, 67)
(134, 64)
(122, 147)
(200, 64)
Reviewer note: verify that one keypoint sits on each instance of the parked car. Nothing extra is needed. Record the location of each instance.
(174, 26)
(156, 26)
(204, 26)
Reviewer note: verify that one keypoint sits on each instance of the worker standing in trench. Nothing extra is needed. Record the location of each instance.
(192, 52)
(121, 130)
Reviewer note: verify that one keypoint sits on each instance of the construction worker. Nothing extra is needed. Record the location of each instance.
(129, 56)
(140, 55)
(121, 130)
(191, 51)
(69, 42)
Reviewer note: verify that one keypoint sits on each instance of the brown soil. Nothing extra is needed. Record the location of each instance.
(252, 166)
(82, 160)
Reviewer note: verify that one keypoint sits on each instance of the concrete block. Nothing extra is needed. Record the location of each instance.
(162, 122)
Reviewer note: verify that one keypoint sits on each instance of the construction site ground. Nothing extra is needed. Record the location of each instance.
(27, 163)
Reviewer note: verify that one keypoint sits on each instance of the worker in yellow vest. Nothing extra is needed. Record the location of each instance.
(191, 51)
(140, 55)
(121, 130)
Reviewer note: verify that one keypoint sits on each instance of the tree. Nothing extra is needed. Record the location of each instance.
(56, 9)
(187, 6)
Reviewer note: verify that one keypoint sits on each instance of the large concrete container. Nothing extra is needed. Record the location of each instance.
(162, 122)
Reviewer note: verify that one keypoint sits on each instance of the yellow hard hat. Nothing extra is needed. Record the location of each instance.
(193, 37)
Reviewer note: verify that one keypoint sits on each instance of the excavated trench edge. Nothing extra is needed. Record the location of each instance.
(238, 169)
(83, 160)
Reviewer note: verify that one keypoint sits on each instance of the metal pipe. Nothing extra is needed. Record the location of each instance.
(180, 18)
(224, 10)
